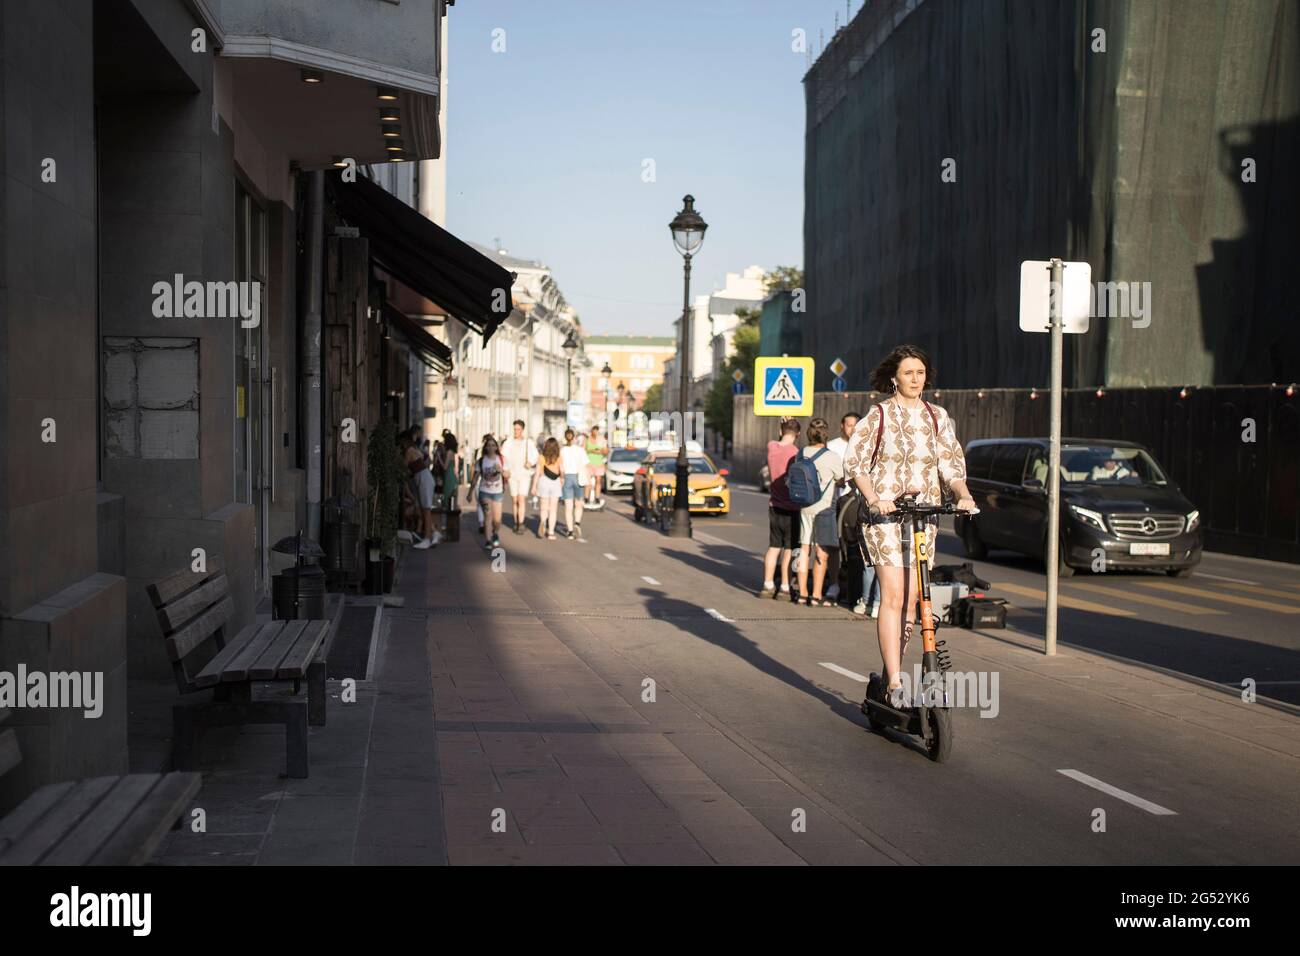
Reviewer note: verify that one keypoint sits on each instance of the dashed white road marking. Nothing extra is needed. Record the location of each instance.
(717, 615)
(711, 539)
(845, 671)
(612, 557)
(1220, 577)
(650, 580)
(1124, 795)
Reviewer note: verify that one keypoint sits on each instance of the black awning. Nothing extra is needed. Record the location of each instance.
(426, 348)
(424, 256)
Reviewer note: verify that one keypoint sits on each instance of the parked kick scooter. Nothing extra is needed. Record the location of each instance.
(930, 718)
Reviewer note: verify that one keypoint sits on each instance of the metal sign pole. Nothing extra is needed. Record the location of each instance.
(1055, 296)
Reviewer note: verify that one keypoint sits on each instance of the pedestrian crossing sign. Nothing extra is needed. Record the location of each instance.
(783, 386)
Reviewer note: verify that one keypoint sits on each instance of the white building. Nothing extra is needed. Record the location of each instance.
(713, 324)
(524, 372)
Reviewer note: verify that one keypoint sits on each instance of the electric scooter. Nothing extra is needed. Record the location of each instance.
(931, 717)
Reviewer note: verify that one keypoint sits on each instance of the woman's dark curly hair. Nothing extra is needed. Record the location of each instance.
(882, 378)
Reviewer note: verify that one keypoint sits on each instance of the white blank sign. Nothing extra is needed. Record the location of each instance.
(1035, 292)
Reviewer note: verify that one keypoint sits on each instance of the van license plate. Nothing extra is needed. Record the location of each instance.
(1148, 548)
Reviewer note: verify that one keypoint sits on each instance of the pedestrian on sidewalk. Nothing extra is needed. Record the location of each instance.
(782, 515)
(417, 464)
(520, 454)
(548, 485)
(597, 453)
(471, 490)
(450, 469)
(870, 600)
(839, 445)
(818, 529)
(492, 475)
(573, 459)
(903, 444)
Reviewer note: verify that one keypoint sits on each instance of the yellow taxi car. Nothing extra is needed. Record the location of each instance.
(657, 479)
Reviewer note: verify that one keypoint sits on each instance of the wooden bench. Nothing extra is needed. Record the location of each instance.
(99, 821)
(195, 606)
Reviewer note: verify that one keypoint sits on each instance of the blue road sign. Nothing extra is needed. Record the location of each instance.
(839, 384)
(783, 385)
(737, 388)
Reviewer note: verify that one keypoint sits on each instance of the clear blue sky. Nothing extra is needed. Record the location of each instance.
(546, 140)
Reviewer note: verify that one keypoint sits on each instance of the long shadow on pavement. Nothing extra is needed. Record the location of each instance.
(690, 618)
(1145, 639)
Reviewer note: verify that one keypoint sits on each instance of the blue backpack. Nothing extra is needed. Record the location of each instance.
(802, 481)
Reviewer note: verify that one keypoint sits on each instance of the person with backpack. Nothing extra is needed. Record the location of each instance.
(782, 513)
(904, 445)
(812, 478)
(840, 445)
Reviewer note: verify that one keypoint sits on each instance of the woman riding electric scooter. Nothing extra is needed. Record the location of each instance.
(904, 446)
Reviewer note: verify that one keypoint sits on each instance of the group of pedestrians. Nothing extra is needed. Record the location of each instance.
(434, 473)
(548, 471)
(810, 532)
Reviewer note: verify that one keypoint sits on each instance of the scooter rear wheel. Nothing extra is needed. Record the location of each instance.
(940, 746)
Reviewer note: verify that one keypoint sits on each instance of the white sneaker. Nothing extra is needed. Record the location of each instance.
(405, 536)
(425, 544)
(860, 607)
(438, 537)
(875, 611)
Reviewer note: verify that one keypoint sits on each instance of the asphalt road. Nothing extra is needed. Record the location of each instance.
(1137, 719)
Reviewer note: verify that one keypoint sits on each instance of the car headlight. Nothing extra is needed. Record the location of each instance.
(1090, 518)
(1193, 521)
(715, 490)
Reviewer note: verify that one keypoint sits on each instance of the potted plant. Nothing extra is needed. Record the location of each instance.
(384, 478)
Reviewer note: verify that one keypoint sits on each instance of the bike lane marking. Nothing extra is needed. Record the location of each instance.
(650, 580)
(845, 671)
(1217, 596)
(706, 538)
(717, 615)
(1064, 600)
(1124, 795)
(612, 557)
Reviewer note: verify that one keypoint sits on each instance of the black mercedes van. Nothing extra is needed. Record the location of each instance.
(1116, 502)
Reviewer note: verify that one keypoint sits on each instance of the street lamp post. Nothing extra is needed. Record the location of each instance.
(570, 349)
(688, 234)
(607, 372)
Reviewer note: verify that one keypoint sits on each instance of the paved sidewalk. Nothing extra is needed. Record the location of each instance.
(372, 796)
(551, 756)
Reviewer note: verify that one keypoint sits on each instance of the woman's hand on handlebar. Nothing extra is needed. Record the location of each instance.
(967, 504)
(884, 506)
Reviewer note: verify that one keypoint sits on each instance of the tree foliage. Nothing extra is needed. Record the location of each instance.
(719, 404)
(783, 279)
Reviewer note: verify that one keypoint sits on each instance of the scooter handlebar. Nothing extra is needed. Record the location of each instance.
(908, 505)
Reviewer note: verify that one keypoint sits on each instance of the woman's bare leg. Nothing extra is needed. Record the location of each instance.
(801, 570)
(819, 571)
(889, 626)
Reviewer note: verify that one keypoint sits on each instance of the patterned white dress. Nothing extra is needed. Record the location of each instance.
(912, 455)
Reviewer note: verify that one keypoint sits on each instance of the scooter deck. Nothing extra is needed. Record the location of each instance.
(905, 720)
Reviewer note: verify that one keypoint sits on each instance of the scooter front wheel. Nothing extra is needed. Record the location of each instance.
(940, 745)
